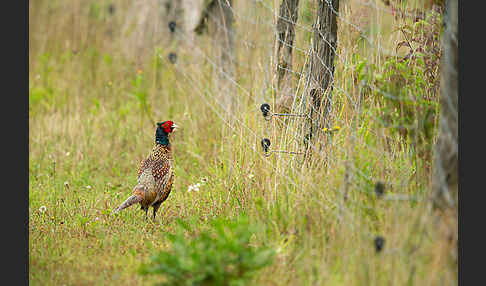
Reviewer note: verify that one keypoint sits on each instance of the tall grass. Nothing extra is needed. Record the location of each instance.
(93, 101)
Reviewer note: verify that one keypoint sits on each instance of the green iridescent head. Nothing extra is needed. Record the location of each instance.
(163, 131)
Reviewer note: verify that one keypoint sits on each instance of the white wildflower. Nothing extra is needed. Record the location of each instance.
(195, 187)
(42, 209)
(88, 187)
(68, 153)
(251, 176)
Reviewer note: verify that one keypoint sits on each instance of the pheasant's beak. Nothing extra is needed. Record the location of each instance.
(174, 127)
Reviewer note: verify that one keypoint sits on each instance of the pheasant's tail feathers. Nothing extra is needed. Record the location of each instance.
(130, 201)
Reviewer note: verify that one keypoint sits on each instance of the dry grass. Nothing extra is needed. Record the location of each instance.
(88, 133)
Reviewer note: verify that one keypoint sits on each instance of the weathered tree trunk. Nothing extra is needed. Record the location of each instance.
(322, 64)
(217, 19)
(192, 11)
(147, 26)
(445, 178)
(285, 38)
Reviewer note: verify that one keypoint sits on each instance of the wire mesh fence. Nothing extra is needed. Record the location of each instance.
(358, 113)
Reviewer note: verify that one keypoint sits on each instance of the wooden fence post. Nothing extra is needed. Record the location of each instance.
(217, 19)
(445, 176)
(322, 65)
(288, 16)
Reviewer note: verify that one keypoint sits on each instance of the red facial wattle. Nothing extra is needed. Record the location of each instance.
(168, 126)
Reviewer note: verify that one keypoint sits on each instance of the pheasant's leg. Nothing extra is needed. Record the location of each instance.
(146, 210)
(156, 207)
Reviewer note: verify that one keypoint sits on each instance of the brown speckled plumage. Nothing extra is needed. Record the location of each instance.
(154, 182)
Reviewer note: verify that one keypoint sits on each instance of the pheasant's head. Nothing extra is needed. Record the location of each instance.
(163, 130)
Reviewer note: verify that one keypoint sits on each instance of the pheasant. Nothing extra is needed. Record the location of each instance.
(155, 175)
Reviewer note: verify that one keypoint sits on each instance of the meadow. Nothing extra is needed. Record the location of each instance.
(98, 83)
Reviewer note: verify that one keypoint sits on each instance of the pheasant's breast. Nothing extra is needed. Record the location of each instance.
(146, 178)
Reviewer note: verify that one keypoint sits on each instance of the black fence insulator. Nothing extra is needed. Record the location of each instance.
(267, 152)
(172, 57)
(379, 243)
(111, 9)
(267, 114)
(379, 189)
(266, 145)
(265, 108)
(172, 26)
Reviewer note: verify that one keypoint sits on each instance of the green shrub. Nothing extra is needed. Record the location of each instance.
(406, 105)
(406, 88)
(221, 255)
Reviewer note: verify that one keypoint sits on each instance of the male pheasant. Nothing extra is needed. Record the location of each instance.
(156, 173)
